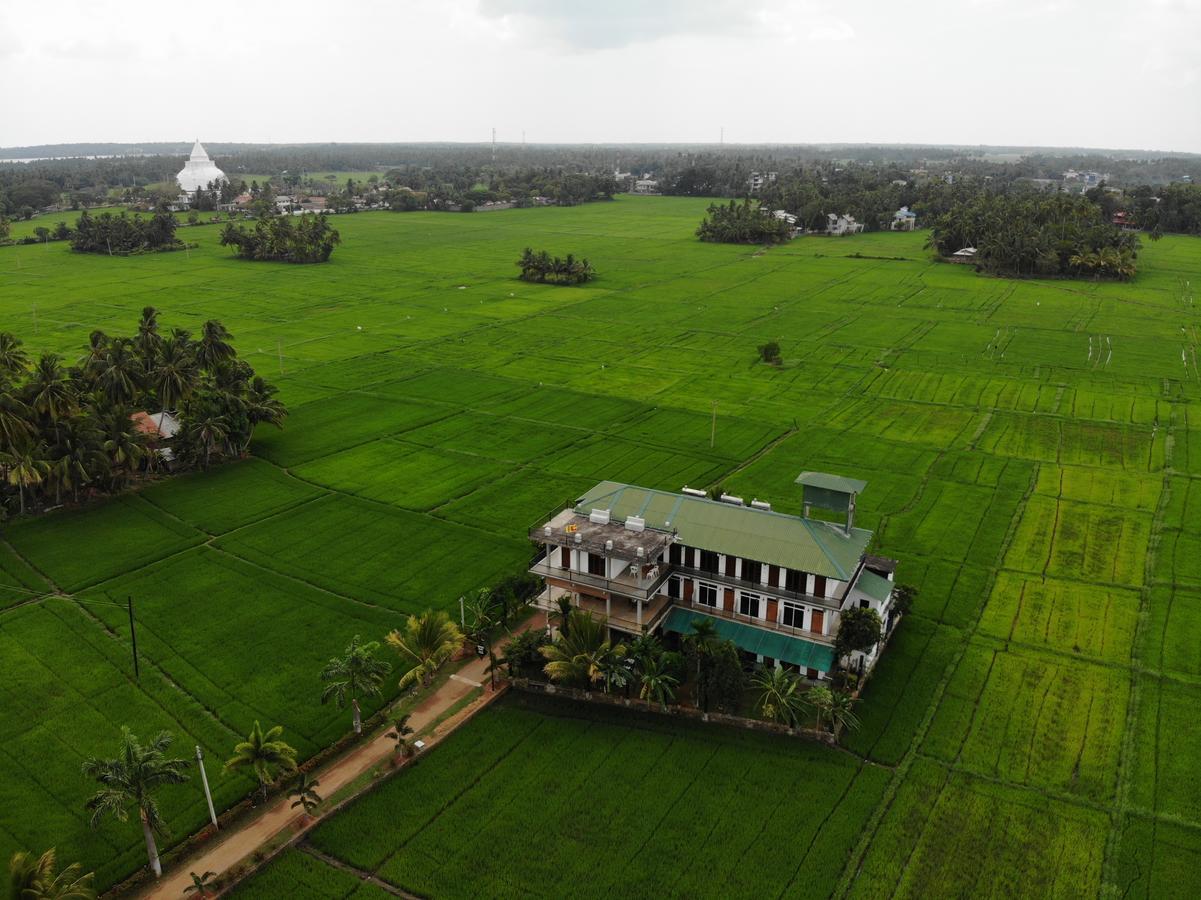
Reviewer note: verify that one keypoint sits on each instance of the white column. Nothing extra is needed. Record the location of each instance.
(608, 606)
(639, 613)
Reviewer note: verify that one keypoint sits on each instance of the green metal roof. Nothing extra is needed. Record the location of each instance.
(831, 482)
(873, 585)
(807, 545)
(773, 644)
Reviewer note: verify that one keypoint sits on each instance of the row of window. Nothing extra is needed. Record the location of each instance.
(751, 570)
(748, 604)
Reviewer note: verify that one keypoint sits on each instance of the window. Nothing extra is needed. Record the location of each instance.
(793, 615)
(707, 594)
(690, 557)
(673, 588)
(752, 571)
(863, 604)
(596, 565)
(708, 561)
(794, 581)
(675, 554)
(748, 604)
(819, 585)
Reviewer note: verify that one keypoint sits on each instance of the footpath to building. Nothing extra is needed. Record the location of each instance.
(238, 844)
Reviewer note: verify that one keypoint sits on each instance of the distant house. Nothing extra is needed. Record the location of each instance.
(158, 428)
(839, 225)
(966, 255)
(646, 186)
(904, 219)
(1124, 221)
(784, 216)
(758, 179)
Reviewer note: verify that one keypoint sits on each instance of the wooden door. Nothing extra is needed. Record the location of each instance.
(688, 583)
(727, 602)
(773, 576)
(819, 585)
(564, 557)
(817, 620)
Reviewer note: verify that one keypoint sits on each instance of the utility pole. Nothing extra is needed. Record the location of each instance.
(133, 636)
(462, 613)
(208, 796)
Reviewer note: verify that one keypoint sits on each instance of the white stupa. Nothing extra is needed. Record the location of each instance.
(198, 171)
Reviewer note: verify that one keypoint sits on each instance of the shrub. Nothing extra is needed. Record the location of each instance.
(770, 352)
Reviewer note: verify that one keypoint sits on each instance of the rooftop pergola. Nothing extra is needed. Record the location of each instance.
(571, 529)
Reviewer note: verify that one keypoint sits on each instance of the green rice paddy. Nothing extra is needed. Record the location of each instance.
(1033, 453)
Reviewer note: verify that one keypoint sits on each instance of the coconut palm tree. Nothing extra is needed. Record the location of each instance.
(264, 753)
(173, 374)
(130, 780)
(26, 467)
(261, 406)
(781, 698)
(427, 641)
(400, 733)
(201, 884)
(35, 879)
(354, 673)
(16, 426)
(580, 654)
(304, 789)
(124, 445)
(13, 360)
(658, 684)
(118, 372)
(148, 341)
(563, 602)
(50, 393)
(78, 455)
(208, 432)
(214, 348)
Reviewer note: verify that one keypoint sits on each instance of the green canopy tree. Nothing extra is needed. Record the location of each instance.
(427, 641)
(264, 754)
(35, 878)
(355, 673)
(130, 780)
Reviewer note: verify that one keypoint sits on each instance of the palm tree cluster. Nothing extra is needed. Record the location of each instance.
(742, 223)
(543, 268)
(427, 641)
(584, 656)
(783, 699)
(125, 234)
(1037, 235)
(294, 239)
(64, 429)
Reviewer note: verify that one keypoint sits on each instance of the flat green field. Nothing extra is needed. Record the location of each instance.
(610, 803)
(1033, 453)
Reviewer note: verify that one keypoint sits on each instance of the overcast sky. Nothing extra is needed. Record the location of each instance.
(1098, 73)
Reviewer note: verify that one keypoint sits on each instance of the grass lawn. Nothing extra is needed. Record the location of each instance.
(1044, 498)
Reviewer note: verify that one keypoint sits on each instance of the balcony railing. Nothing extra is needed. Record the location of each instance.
(755, 587)
(635, 588)
(735, 616)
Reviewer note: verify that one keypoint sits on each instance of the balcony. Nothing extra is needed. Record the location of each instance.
(619, 612)
(734, 616)
(624, 584)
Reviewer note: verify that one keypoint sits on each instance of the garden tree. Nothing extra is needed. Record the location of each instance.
(5, 228)
(427, 641)
(542, 268)
(484, 614)
(295, 239)
(303, 793)
(202, 885)
(522, 653)
(582, 651)
(42, 233)
(858, 630)
(62, 231)
(264, 754)
(658, 683)
(770, 352)
(903, 596)
(722, 680)
(400, 733)
(781, 698)
(742, 223)
(26, 467)
(130, 780)
(353, 674)
(833, 707)
(35, 878)
(644, 647)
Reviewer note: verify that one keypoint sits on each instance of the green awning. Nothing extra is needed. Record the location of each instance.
(773, 644)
